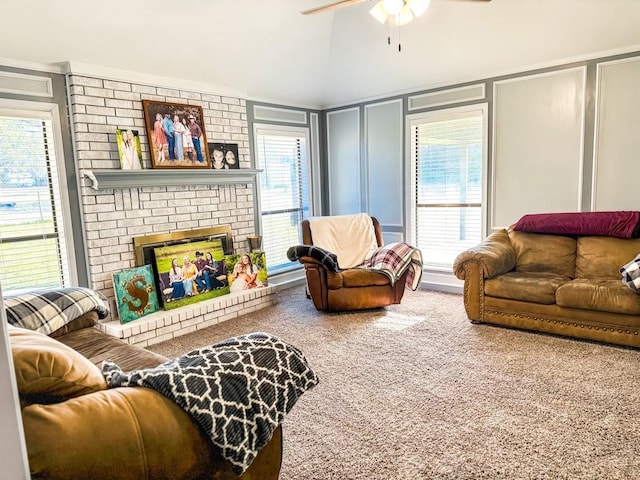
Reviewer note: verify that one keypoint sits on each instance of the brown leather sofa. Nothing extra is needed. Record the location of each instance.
(77, 428)
(565, 285)
(351, 289)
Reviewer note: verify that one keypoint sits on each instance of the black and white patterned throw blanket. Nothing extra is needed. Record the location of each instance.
(238, 390)
(631, 274)
(47, 310)
(327, 259)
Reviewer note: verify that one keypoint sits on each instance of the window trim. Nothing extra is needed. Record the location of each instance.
(51, 112)
(444, 114)
(284, 131)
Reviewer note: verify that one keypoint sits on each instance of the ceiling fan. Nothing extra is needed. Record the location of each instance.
(346, 3)
(398, 12)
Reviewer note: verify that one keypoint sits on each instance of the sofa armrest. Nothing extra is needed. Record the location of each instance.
(495, 256)
(132, 432)
(128, 433)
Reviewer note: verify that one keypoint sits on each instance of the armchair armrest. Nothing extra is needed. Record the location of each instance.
(306, 254)
(494, 256)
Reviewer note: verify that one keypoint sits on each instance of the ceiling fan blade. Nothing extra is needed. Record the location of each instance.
(331, 6)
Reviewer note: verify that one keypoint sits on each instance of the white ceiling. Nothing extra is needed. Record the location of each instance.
(266, 50)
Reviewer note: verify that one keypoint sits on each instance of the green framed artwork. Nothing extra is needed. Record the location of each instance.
(136, 294)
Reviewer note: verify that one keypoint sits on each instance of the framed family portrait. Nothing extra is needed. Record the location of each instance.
(224, 156)
(191, 272)
(176, 135)
(129, 149)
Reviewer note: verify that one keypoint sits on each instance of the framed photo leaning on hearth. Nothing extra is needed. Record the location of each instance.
(176, 135)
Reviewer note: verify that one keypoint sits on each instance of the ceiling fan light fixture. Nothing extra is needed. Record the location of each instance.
(404, 16)
(379, 13)
(418, 7)
(393, 7)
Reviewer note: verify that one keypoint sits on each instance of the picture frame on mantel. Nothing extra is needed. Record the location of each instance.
(176, 135)
(224, 156)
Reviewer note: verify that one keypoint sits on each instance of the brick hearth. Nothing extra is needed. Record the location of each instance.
(165, 325)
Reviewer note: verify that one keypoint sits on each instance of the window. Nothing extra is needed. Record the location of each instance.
(33, 250)
(282, 154)
(447, 151)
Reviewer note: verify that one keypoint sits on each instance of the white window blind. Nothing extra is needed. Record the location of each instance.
(32, 241)
(447, 152)
(284, 192)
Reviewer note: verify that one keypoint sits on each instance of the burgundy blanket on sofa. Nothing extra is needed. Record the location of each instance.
(622, 224)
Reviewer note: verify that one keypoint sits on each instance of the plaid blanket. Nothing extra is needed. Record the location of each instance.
(394, 259)
(631, 274)
(47, 310)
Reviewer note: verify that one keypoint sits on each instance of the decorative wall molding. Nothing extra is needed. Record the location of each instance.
(264, 113)
(23, 84)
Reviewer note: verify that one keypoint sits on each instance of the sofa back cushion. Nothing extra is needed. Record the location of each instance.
(536, 252)
(602, 257)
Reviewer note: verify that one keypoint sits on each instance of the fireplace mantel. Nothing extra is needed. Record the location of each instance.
(103, 179)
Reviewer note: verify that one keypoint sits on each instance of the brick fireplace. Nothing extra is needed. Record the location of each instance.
(115, 214)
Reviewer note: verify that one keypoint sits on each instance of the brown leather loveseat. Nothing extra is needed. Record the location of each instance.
(566, 285)
(77, 428)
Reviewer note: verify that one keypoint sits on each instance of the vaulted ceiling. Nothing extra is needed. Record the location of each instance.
(267, 50)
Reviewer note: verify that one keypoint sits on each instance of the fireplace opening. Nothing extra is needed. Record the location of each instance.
(143, 246)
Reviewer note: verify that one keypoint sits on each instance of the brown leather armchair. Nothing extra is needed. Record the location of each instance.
(350, 289)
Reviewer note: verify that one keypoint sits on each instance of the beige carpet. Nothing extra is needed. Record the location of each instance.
(415, 391)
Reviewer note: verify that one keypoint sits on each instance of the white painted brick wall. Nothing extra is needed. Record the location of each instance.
(113, 217)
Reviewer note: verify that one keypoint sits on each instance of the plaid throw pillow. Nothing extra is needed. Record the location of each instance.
(47, 310)
(327, 259)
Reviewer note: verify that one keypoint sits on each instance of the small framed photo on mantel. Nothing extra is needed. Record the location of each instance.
(129, 149)
(176, 135)
(224, 156)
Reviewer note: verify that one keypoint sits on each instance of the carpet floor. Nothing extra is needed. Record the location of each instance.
(415, 391)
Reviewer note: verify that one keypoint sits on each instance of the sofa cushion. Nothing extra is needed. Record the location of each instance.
(598, 294)
(602, 257)
(48, 371)
(99, 346)
(87, 320)
(544, 253)
(534, 287)
(356, 277)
